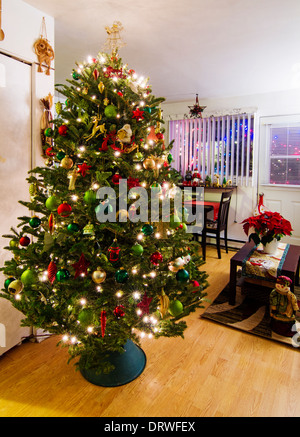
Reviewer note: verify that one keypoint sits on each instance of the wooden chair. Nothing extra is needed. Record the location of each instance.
(213, 228)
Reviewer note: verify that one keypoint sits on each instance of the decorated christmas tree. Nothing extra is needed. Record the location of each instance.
(96, 261)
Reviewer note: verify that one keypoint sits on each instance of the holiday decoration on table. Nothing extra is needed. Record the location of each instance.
(85, 264)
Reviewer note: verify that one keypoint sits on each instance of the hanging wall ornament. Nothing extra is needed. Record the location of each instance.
(43, 50)
(196, 110)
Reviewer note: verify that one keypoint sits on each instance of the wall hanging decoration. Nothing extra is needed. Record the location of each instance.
(196, 110)
(43, 50)
(2, 35)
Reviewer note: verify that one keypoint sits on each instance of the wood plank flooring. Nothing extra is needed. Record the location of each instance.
(214, 372)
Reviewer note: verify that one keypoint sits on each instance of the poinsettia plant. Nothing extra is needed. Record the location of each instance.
(266, 226)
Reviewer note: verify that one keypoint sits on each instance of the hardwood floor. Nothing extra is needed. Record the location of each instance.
(215, 371)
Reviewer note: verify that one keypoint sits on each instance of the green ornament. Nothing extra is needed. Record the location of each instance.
(48, 132)
(58, 107)
(35, 222)
(175, 308)
(90, 196)
(75, 75)
(28, 277)
(170, 158)
(174, 221)
(67, 103)
(52, 203)
(60, 155)
(182, 275)
(148, 109)
(156, 188)
(147, 229)
(62, 275)
(14, 243)
(110, 111)
(137, 249)
(121, 276)
(73, 227)
(86, 317)
(8, 281)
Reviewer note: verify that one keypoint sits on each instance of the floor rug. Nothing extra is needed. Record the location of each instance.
(251, 314)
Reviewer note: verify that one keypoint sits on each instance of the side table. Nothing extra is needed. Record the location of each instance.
(290, 267)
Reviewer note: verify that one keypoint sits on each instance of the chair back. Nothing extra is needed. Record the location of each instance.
(224, 210)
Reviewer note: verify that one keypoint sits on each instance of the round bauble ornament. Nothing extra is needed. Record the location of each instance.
(52, 203)
(149, 164)
(175, 308)
(119, 311)
(14, 243)
(35, 222)
(156, 258)
(174, 221)
(116, 178)
(66, 162)
(28, 277)
(85, 317)
(110, 111)
(62, 275)
(60, 155)
(8, 281)
(62, 130)
(24, 241)
(89, 197)
(75, 75)
(147, 230)
(50, 152)
(99, 275)
(73, 227)
(15, 287)
(137, 249)
(121, 276)
(64, 210)
(182, 275)
(156, 188)
(48, 132)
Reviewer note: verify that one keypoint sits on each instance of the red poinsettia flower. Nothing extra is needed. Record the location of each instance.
(266, 226)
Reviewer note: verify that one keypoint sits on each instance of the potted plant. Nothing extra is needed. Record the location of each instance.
(266, 228)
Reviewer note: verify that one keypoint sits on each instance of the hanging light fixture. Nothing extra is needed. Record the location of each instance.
(196, 110)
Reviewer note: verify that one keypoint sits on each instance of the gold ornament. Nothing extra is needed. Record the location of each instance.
(101, 87)
(73, 175)
(114, 40)
(43, 50)
(15, 287)
(97, 129)
(149, 164)
(124, 134)
(164, 303)
(98, 275)
(66, 162)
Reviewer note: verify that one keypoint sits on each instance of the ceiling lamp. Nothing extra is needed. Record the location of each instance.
(196, 110)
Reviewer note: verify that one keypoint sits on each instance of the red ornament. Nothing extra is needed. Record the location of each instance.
(96, 74)
(62, 130)
(81, 266)
(156, 258)
(133, 182)
(138, 115)
(119, 311)
(83, 169)
(64, 209)
(52, 270)
(116, 178)
(25, 241)
(49, 152)
(120, 94)
(144, 304)
(51, 223)
(103, 322)
(114, 252)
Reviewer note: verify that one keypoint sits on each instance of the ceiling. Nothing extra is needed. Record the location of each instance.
(216, 48)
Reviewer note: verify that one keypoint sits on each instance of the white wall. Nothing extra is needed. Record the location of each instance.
(21, 24)
(270, 104)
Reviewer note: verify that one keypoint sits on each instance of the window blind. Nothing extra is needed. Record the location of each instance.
(221, 145)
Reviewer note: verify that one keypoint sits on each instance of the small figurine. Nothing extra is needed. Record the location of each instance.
(283, 307)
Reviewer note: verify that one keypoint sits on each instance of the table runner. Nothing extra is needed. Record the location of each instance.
(260, 265)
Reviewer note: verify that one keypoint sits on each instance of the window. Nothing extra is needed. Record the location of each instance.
(284, 154)
(215, 145)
